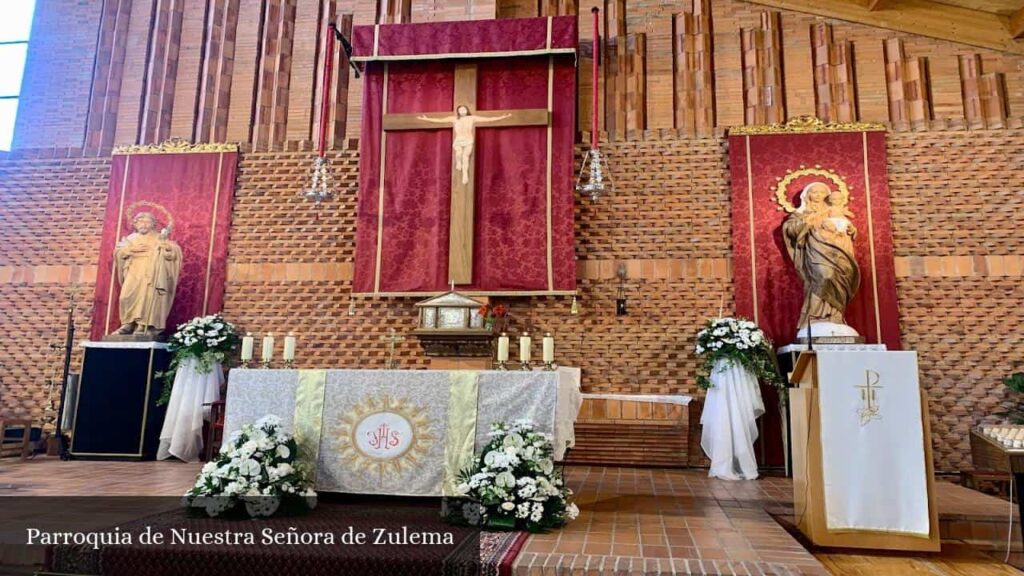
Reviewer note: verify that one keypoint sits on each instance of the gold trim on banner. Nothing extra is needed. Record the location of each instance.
(117, 238)
(308, 417)
(176, 146)
(459, 445)
(380, 183)
(213, 233)
(550, 132)
(806, 125)
(547, 41)
(448, 55)
(750, 217)
(871, 240)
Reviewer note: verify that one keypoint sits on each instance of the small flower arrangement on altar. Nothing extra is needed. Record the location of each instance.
(491, 314)
(206, 340)
(514, 484)
(255, 475)
(725, 341)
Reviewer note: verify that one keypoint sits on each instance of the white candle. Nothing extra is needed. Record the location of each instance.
(503, 348)
(524, 348)
(247, 345)
(268, 347)
(289, 346)
(549, 348)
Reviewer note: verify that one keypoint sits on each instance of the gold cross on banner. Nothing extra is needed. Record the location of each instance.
(392, 339)
(463, 120)
(869, 410)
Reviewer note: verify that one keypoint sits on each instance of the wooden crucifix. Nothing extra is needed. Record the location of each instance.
(463, 121)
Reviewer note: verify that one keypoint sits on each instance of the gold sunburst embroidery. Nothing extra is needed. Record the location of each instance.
(419, 422)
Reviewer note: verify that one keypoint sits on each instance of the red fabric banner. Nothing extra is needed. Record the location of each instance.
(190, 192)
(523, 236)
(468, 39)
(768, 289)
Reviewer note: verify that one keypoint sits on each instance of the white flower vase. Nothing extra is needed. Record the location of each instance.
(731, 408)
(262, 506)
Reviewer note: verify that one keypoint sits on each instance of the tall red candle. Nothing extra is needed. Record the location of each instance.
(594, 81)
(325, 91)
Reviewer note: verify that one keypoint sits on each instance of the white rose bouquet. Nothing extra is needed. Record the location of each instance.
(208, 339)
(735, 340)
(514, 484)
(255, 475)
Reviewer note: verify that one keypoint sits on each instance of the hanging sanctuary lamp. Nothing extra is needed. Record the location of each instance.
(592, 179)
(321, 187)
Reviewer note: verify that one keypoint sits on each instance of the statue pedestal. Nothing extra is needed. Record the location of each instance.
(116, 416)
(829, 333)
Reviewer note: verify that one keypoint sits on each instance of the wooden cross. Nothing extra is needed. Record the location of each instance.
(460, 239)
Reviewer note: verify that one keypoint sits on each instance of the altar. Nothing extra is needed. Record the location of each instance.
(401, 432)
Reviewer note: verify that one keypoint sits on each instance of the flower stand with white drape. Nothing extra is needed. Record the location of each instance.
(732, 405)
(182, 433)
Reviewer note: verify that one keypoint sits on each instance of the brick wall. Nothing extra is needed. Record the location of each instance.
(960, 267)
(61, 59)
(955, 194)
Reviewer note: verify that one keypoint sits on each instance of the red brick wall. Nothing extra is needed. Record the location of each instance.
(956, 200)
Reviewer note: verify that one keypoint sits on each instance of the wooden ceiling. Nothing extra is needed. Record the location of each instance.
(995, 24)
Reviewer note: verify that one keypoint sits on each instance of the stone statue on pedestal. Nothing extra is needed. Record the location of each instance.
(148, 264)
(819, 238)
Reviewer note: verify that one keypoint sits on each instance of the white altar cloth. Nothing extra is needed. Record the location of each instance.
(364, 409)
(872, 442)
(182, 433)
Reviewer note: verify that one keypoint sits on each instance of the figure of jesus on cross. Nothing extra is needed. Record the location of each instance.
(464, 126)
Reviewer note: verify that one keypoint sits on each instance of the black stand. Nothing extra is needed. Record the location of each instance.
(69, 339)
(116, 415)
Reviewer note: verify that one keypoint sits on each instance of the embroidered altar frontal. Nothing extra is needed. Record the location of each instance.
(394, 432)
(489, 209)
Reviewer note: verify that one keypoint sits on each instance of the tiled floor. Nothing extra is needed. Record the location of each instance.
(641, 521)
(632, 521)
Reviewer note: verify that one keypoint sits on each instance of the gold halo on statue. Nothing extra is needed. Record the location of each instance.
(781, 189)
(135, 207)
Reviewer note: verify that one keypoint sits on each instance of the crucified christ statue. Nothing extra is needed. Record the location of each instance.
(463, 124)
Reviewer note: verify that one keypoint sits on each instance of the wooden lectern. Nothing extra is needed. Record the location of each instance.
(808, 482)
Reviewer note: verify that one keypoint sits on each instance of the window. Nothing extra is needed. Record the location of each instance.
(15, 26)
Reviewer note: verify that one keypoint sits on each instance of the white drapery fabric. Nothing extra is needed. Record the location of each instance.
(182, 433)
(731, 407)
(872, 443)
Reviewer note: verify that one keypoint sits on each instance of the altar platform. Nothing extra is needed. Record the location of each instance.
(634, 521)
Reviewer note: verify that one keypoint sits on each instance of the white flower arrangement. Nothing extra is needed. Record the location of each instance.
(254, 475)
(207, 339)
(514, 483)
(735, 340)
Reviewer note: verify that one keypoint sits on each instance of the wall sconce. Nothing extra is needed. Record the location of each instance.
(621, 308)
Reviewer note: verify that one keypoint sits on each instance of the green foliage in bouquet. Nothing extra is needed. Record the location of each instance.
(739, 341)
(255, 475)
(208, 339)
(1015, 413)
(514, 485)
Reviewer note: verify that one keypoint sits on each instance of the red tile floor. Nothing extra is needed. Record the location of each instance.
(632, 521)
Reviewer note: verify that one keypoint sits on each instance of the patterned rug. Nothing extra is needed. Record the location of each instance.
(498, 551)
(469, 552)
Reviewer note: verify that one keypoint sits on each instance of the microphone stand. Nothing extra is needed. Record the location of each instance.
(69, 339)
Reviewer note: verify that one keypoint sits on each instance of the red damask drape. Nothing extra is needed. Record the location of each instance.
(767, 287)
(192, 192)
(523, 234)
